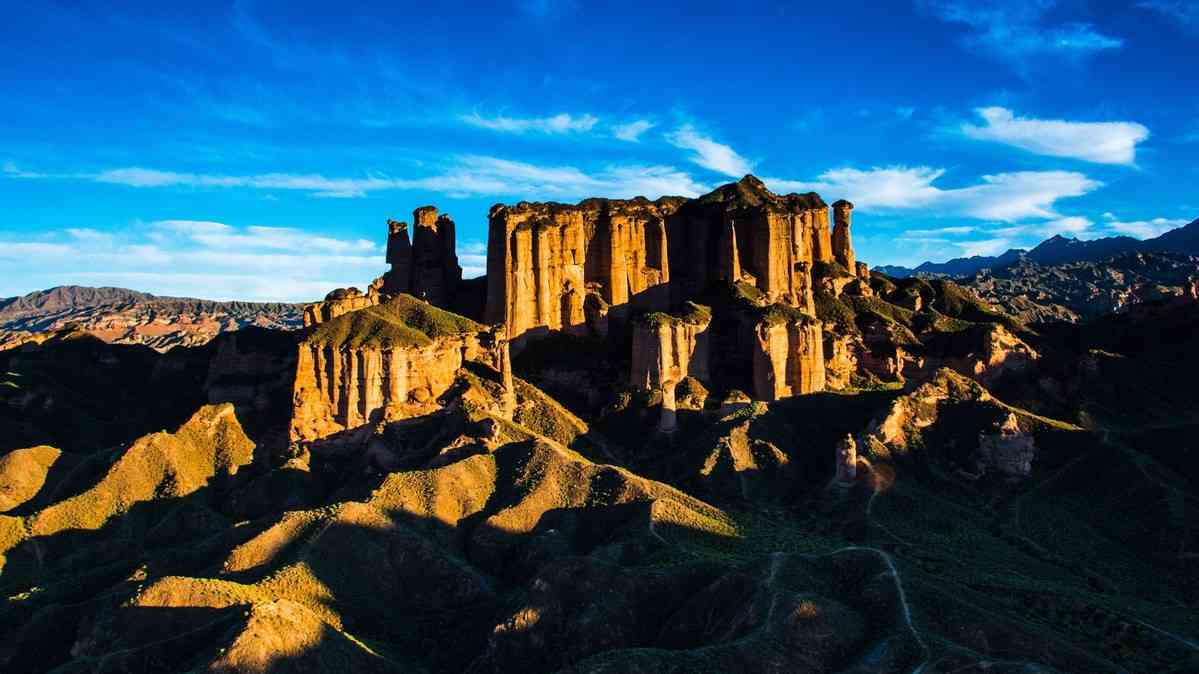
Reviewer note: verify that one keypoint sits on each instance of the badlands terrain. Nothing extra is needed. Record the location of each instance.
(681, 435)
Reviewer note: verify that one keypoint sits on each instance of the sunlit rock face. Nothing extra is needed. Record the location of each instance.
(385, 362)
(565, 267)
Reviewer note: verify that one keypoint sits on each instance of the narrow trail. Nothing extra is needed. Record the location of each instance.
(900, 592)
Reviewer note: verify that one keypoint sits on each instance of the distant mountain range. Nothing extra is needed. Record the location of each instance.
(123, 316)
(1059, 250)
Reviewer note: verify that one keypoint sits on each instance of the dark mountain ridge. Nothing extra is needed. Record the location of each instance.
(1057, 250)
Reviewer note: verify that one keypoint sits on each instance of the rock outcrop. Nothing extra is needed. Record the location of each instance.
(846, 467)
(338, 303)
(669, 347)
(385, 362)
(842, 242)
(427, 266)
(562, 267)
(547, 263)
(788, 356)
(1007, 449)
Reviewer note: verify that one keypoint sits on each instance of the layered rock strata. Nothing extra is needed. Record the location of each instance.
(559, 267)
(788, 357)
(568, 267)
(338, 303)
(385, 362)
(669, 347)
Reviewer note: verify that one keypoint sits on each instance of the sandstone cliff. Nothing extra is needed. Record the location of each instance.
(788, 356)
(546, 262)
(669, 347)
(337, 303)
(427, 266)
(562, 267)
(384, 362)
(842, 243)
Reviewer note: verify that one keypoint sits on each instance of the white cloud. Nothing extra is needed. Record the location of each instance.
(88, 234)
(1019, 32)
(466, 176)
(561, 123)
(1098, 142)
(220, 235)
(963, 229)
(632, 131)
(709, 153)
(193, 258)
(1006, 197)
(1145, 229)
(1068, 225)
(895, 187)
(472, 256)
(1073, 226)
(984, 246)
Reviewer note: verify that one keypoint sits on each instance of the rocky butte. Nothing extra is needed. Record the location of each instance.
(736, 270)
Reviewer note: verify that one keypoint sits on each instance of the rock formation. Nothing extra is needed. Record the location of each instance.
(788, 357)
(384, 362)
(399, 256)
(1007, 449)
(427, 267)
(547, 263)
(842, 242)
(561, 267)
(846, 461)
(337, 303)
(669, 347)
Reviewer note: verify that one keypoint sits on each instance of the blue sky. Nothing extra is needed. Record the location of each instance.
(254, 150)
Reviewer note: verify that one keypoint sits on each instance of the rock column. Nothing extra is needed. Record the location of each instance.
(399, 256)
(847, 462)
(668, 422)
(842, 243)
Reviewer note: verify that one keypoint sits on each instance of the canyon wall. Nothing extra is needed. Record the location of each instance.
(667, 348)
(788, 358)
(547, 263)
(385, 362)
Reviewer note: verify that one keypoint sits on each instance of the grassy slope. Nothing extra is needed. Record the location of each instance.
(402, 321)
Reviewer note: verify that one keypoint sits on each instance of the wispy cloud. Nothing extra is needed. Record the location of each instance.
(957, 229)
(1142, 229)
(193, 258)
(984, 246)
(1098, 142)
(1005, 197)
(632, 131)
(1073, 225)
(466, 176)
(254, 238)
(472, 256)
(708, 153)
(1019, 32)
(1184, 12)
(561, 123)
